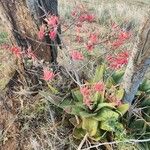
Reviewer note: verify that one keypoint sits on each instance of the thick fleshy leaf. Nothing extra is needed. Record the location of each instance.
(78, 133)
(81, 104)
(77, 95)
(66, 103)
(99, 75)
(98, 97)
(137, 125)
(123, 108)
(98, 136)
(90, 125)
(145, 102)
(76, 110)
(112, 125)
(119, 94)
(105, 125)
(86, 114)
(145, 86)
(105, 114)
(102, 105)
(72, 109)
(117, 76)
(109, 82)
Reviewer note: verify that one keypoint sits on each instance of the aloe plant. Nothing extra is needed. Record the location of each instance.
(106, 109)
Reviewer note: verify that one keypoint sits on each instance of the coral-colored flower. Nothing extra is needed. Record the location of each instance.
(117, 43)
(119, 60)
(76, 55)
(47, 74)
(99, 87)
(85, 91)
(82, 18)
(93, 38)
(89, 46)
(52, 21)
(124, 35)
(90, 17)
(87, 101)
(52, 34)
(41, 33)
(87, 17)
(16, 50)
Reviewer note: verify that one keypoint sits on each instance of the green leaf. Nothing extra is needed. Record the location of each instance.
(105, 114)
(78, 133)
(81, 104)
(76, 110)
(145, 86)
(105, 125)
(72, 109)
(137, 125)
(113, 126)
(66, 103)
(77, 95)
(145, 102)
(109, 82)
(90, 125)
(86, 114)
(119, 94)
(99, 74)
(98, 136)
(98, 97)
(102, 105)
(117, 76)
(123, 108)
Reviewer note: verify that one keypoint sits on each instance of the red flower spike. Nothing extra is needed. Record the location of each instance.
(118, 61)
(52, 35)
(93, 38)
(89, 46)
(98, 87)
(16, 51)
(124, 36)
(52, 21)
(85, 91)
(87, 17)
(117, 43)
(41, 33)
(76, 55)
(48, 75)
(90, 18)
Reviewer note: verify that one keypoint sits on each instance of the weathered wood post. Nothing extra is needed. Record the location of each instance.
(138, 63)
(22, 19)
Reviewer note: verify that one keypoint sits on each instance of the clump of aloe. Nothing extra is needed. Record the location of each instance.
(98, 106)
